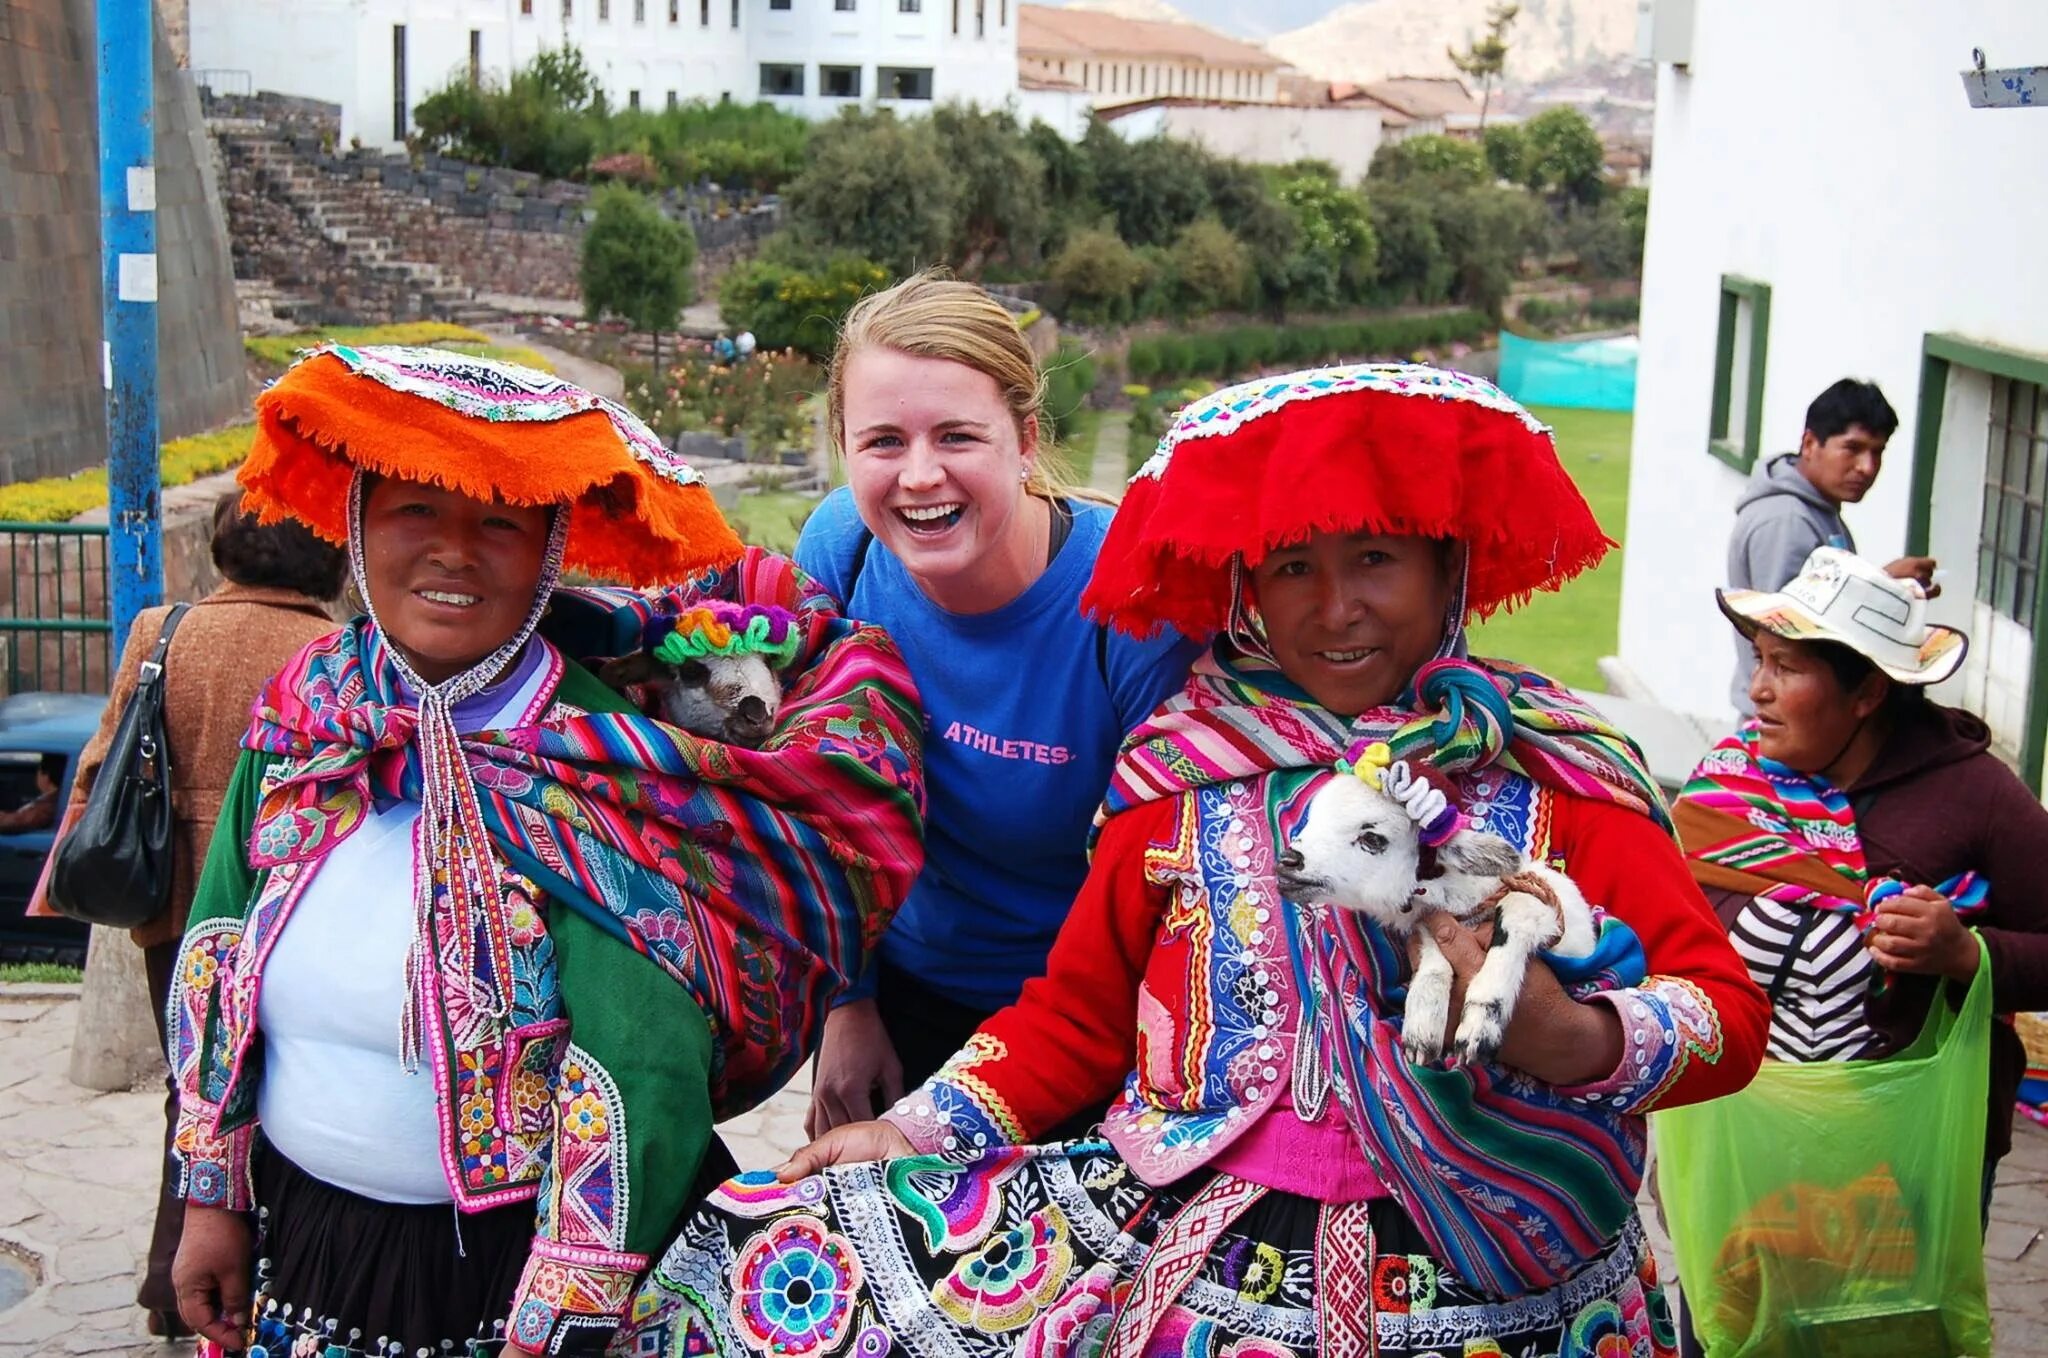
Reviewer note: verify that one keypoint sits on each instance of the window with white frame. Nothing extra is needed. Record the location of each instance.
(604, 11)
(781, 78)
(844, 6)
(639, 11)
(839, 82)
(909, 6)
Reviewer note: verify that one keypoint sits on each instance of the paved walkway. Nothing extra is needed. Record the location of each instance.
(587, 373)
(78, 1176)
(78, 1183)
(1110, 472)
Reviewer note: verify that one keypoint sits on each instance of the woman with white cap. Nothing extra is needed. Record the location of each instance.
(1857, 831)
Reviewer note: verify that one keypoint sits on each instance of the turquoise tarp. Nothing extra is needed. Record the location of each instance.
(1583, 374)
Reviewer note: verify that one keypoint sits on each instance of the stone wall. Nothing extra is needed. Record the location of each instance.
(372, 236)
(52, 419)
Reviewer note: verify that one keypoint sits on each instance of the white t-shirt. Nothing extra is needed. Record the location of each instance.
(335, 1098)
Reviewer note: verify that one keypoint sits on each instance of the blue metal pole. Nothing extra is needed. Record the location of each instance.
(129, 281)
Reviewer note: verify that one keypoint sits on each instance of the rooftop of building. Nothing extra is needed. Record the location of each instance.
(1046, 32)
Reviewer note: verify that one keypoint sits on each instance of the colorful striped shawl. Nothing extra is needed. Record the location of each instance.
(1753, 825)
(1238, 718)
(759, 879)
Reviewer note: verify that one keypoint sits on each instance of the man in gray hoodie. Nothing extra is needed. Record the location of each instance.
(1793, 502)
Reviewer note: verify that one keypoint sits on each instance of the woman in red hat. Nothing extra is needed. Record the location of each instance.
(480, 953)
(1275, 1178)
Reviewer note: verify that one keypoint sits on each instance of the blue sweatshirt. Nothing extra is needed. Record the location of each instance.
(1027, 707)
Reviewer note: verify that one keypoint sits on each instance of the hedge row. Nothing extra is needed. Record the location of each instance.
(1240, 351)
(59, 499)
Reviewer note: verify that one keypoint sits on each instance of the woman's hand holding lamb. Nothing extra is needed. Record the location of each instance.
(1550, 1035)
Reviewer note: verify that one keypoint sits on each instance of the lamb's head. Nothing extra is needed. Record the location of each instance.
(1357, 849)
(714, 669)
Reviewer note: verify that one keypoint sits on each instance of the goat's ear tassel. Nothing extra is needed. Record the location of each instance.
(1368, 765)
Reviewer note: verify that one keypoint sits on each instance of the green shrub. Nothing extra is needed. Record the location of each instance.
(1098, 275)
(1141, 360)
(789, 307)
(1615, 310)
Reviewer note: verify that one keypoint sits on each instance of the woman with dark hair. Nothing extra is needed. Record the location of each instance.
(1858, 832)
(277, 583)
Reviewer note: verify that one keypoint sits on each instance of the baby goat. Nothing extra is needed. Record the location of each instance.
(1363, 846)
(713, 669)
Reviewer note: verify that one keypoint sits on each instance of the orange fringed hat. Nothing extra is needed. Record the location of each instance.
(638, 513)
(1393, 448)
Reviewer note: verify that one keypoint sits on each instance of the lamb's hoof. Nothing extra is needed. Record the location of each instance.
(1420, 1051)
(1478, 1040)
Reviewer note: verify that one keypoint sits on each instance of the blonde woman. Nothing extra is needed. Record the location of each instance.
(955, 534)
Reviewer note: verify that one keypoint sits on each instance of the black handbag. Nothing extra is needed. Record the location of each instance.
(114, 867)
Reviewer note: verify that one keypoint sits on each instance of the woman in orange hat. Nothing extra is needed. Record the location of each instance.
(480, 953)
(1275, 1177)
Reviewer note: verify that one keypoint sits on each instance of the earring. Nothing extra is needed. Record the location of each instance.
(1024, 473)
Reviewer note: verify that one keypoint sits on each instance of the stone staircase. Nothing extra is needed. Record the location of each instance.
(325, 242)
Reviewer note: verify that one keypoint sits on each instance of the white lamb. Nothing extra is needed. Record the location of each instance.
(1368, 844)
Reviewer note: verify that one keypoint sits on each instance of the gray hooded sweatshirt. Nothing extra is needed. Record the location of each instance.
(1779, 520)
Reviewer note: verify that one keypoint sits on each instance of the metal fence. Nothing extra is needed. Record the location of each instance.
(55, 635)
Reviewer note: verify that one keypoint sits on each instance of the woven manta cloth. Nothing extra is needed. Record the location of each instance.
(1061, 1252)
(759, 879)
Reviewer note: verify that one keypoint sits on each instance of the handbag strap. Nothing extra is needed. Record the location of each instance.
(152, 669)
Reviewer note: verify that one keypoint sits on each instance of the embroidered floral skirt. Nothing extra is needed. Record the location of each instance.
(344, 1276)
(1060, 1250)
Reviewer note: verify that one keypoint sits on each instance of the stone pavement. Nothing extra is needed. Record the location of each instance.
(78, 1174)
(1110, 472)
(78, 1182)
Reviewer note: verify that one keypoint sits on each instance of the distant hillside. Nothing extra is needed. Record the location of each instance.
(1373, 39)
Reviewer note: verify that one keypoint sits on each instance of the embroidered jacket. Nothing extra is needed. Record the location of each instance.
(1176, 975)
(541, 1109)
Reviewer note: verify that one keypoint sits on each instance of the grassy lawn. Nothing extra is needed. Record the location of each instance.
(1565, 634)
(772, 518)
(39, 973)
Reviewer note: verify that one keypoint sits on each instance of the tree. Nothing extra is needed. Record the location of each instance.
(1431, 156)
(636, 263)
(880, 187)
(1507, 150)
(1152, 188)
(1563, 154)
(1210, 268)
(1414, 266)
(1339, 251)
(1098, 275)
(1485, 58)
(1002, 199)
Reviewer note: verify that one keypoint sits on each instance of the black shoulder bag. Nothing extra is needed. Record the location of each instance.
(114, 867)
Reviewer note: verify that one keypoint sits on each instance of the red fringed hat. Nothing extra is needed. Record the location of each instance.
(638, 513)
(1391, 448)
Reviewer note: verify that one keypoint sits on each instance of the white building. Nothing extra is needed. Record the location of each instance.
(1345, 135)
(1828, 204)
(379, 58)
(1117, 59)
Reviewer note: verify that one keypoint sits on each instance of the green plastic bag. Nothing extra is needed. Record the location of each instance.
(1834, 1208)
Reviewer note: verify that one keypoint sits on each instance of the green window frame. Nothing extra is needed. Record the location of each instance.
(1939, 353)
(1740, 453)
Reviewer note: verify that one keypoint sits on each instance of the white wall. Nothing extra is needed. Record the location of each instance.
(341, 50)
(1267, 134)
(1065, 111)
(1827, 149)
